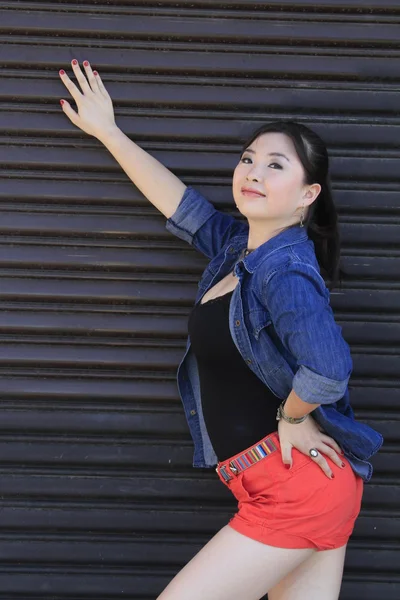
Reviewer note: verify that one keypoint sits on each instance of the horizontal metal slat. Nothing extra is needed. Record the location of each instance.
(27, 226)
(161, 326)
(200, 161)
(48, 519)
(358, 6)
(139, 551)
(338, 67)
(366, 133)
(189, 487)
(200, 29)
(98, 291)
(109, 454)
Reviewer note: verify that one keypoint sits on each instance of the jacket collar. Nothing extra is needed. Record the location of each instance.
(292, 235)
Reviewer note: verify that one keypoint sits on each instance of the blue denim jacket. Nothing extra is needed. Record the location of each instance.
(280, 321)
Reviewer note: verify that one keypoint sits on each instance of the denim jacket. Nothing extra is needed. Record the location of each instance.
(281, 322)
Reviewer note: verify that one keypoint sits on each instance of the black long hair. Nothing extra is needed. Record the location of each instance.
(321, 222)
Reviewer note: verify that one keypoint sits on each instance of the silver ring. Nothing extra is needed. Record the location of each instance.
(313, 452)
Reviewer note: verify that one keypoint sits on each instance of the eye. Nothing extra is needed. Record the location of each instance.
(248, 158)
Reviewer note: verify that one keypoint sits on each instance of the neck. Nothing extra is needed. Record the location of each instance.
(258, 234)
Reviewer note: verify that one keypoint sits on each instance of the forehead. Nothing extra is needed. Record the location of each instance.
(274, 142)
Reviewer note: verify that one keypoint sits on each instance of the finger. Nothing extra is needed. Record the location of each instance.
(286, 451)
(80, 77)
(69, 111)
(331, 442)
(101, 84)
(71, 87)
(322, 463)
(332, 454)
(92, 79)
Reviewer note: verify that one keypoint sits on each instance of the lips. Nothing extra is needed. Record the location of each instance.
(251, 192)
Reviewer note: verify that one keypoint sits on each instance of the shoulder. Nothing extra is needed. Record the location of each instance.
(294, 267)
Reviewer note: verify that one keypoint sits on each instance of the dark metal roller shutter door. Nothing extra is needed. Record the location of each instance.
(98, 496)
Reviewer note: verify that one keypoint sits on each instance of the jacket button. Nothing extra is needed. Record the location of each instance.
(237, 323)
(248, 360)
(231, 249)
(192, 412)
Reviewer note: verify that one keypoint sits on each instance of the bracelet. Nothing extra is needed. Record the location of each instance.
(292, 420)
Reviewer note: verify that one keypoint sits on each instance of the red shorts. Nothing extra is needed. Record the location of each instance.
(294, 508)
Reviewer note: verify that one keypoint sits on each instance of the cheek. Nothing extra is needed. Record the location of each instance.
(236, 175)
(282, 185)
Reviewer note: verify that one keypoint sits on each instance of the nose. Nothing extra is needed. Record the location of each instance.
(253, 175)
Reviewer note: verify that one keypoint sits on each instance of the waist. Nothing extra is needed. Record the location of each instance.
(232, 466)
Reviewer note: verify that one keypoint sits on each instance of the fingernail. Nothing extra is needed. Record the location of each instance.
(343, 464)
(332, 476)
(287, 466)
(95, 73)
(62, 72)
(85, 63)
(62, 102)
(74, 62)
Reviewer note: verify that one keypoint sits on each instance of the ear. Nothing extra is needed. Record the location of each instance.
(311, 194)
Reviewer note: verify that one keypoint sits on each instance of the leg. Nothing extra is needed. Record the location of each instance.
(320, 576)
(232, 566)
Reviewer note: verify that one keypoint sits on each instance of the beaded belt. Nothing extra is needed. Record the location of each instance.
(230, 468)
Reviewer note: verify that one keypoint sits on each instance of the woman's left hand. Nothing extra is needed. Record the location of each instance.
(303, 437)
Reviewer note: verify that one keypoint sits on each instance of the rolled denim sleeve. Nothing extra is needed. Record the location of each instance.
(197, 222)
(298, 302)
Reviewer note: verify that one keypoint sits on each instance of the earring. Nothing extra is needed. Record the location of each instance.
(302, 216)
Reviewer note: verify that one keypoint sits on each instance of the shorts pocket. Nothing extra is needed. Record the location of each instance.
(300, 460)
(262, 480)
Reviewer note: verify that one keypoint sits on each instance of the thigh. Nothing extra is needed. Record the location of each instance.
(232, 566)
(320, 576)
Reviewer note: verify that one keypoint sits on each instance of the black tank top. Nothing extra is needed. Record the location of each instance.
(239, 409)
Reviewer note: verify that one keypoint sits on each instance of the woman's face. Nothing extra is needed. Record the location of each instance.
(278, 178)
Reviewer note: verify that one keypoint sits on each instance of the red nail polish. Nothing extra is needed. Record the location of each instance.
(85, 63)
(332, 476)
(74, 62)
(62, 72)
(62, 102)
(95, 73)
(343, 464)
(287, 466)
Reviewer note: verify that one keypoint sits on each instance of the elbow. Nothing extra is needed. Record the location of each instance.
(315, 388)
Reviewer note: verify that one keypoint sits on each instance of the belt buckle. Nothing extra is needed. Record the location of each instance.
(233, 468)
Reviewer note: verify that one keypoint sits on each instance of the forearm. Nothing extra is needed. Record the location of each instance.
(157, 183)
(296, 407)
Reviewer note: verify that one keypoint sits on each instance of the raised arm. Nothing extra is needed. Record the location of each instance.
(157, 183)
(95, 116)
(189, 215)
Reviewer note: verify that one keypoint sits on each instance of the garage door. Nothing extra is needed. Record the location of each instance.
(98, 496)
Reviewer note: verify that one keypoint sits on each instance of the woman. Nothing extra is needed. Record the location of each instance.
(264, 379)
